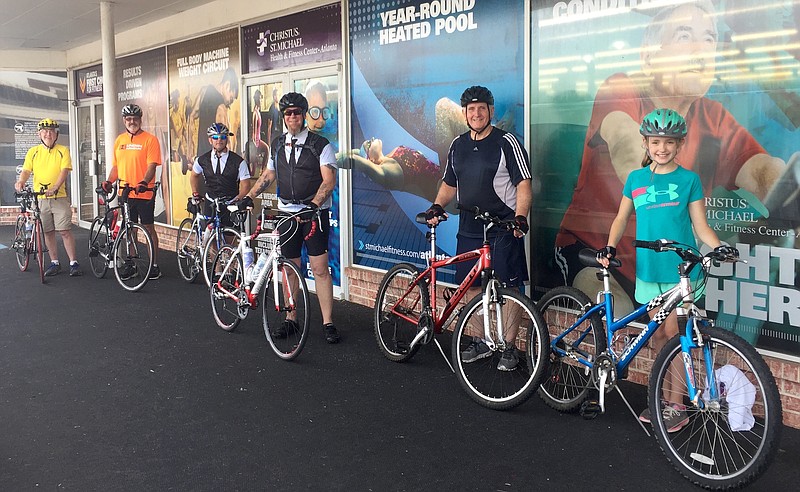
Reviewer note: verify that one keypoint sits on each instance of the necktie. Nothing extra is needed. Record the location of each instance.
(219, 164)
(292, 158)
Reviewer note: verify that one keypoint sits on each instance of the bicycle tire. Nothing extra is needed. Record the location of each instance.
(211, 239)
(98, 247)
(567, 383)
(481, 379)
(286, 339)
(394, 333)
(21, 244)
(133, 247)
(39, 246)
(188, 249)
(707, 450)
(226, 310)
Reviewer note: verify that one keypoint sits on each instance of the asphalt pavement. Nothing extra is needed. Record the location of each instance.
(103, 389)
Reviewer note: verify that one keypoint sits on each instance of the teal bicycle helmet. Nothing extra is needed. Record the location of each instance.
(663, 123)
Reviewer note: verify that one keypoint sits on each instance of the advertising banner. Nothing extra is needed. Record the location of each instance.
(732, 69)
(142, 79)
(409, 66)
(25, 99)
(89, 82)
(311, 36)
(203, 89)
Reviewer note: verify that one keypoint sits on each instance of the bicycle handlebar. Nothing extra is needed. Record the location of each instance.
(685, 252)
(658, 245)
(107, 197)
(488, 218)
(483, 216)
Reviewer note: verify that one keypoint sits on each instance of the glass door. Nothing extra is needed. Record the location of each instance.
(265, 123)
(321, 88)
(90, 163)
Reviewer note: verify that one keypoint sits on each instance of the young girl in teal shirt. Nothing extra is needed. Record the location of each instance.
(669, 204)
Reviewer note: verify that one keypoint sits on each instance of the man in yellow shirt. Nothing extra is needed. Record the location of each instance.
(137, 153)
(50, 164)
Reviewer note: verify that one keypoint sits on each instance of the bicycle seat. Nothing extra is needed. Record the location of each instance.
(588, 257)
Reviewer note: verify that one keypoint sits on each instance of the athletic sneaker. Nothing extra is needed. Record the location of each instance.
(645, 415)
(155, 273)
(288, 326)
(475, 351)
(75, 270)
(509, 359)
(53, 270)
(331, 335)
(128, 271)
(675, 417)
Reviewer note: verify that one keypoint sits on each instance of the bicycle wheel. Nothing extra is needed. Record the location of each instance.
(481, 379)
(39, 247)
(188, 249)
(227, 289)
(731, 440)
(21, 244)
(229, 236)
(133, 257)
(397, 312)
(567, 383)
(286, 323)
(98, 247)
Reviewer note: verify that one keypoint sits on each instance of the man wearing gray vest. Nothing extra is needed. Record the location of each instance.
(304, 165)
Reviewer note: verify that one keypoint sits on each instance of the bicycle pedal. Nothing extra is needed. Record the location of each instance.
(590, 409)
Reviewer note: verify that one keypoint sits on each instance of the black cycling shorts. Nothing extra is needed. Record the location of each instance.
(142, 210)
(292, 236)
(508, 258)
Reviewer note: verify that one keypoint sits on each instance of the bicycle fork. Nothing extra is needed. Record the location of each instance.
(491, 296)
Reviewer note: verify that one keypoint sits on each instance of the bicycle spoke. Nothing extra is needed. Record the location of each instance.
(285, 314)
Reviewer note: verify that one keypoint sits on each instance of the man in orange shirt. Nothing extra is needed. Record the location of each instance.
(136, 156)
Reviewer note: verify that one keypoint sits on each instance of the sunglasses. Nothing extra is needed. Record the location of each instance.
(315, 112)
(293, 112)
(219, 137)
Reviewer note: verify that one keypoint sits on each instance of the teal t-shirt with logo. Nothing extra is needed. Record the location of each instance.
(661, 203)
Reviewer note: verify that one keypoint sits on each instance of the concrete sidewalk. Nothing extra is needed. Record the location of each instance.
(102, 389)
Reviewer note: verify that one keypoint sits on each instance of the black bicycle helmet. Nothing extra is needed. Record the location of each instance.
(663, 123)
(477, 93)
(293, 100)
(47, 123)
(131, 110)
(218, 129)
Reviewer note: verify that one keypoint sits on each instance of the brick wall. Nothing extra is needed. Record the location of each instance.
(8, 215)
(364, 288)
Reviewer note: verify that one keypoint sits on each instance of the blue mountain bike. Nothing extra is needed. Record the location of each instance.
(733, 415)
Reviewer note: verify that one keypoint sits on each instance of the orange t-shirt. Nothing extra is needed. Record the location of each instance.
(132, 155)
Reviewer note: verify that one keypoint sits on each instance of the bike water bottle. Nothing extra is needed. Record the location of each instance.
(115, 223)
(28, 228)
(259, 266)
(247, 257)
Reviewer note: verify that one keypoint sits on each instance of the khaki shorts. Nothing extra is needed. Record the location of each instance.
(56, 214)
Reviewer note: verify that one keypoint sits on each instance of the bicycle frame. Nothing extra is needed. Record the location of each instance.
(252, 287)
(213, 222)
(482, 268)
(682, 292)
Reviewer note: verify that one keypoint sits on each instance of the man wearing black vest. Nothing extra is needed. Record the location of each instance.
(225, 173)
(304, 165)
